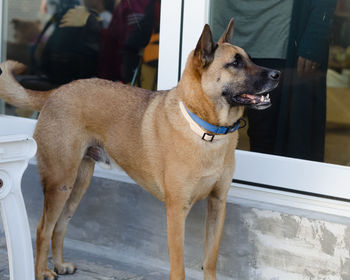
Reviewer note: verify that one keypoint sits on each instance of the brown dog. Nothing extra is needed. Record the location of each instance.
(152, 135)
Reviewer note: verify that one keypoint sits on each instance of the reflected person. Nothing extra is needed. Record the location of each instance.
(291, 36)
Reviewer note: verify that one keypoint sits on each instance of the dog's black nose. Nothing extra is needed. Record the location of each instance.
(275, 75)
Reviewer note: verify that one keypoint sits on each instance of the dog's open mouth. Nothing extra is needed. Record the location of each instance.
(255, 101)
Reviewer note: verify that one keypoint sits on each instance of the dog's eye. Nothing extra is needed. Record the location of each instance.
(235, 64)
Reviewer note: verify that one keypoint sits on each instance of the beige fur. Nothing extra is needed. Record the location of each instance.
(146, 134)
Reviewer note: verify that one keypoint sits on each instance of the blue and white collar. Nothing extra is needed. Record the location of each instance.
(215, 132)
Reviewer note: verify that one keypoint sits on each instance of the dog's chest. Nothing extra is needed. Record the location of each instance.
(204, 184)
(210, 171)
(208, 180)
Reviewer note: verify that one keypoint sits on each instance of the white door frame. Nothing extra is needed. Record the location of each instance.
(169, 43)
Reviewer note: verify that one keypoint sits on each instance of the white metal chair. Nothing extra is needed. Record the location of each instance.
(15, 152)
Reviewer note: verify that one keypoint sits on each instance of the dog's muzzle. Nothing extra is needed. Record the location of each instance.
(260, 100)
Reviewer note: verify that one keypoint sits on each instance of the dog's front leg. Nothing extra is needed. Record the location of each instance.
(176, 219)
(215, 218)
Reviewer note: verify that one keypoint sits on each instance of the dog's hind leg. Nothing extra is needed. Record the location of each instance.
(81, 184)
(58, 175)
(55, 197)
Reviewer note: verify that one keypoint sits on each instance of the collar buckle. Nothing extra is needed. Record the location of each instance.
(200, 126)
(210, 137)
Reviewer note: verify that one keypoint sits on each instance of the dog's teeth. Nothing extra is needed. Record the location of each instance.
(268, 96)
(262, 98)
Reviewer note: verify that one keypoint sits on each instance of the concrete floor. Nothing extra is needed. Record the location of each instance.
(107, 240)
(119, 232)
(95, 267)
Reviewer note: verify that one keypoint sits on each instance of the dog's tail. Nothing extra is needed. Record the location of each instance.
(15, 94)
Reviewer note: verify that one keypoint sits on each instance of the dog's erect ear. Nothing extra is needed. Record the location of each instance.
(228, 34)
(205, 47)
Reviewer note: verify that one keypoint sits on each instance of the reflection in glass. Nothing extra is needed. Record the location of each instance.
(295, 37)
(64, 40)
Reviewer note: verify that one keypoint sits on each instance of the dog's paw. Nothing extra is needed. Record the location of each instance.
(65, 268)
(46, 275)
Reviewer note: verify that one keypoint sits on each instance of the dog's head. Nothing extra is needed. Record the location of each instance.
(228, 74)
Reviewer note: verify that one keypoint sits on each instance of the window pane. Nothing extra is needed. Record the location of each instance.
(64, 40)
(309, 41)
